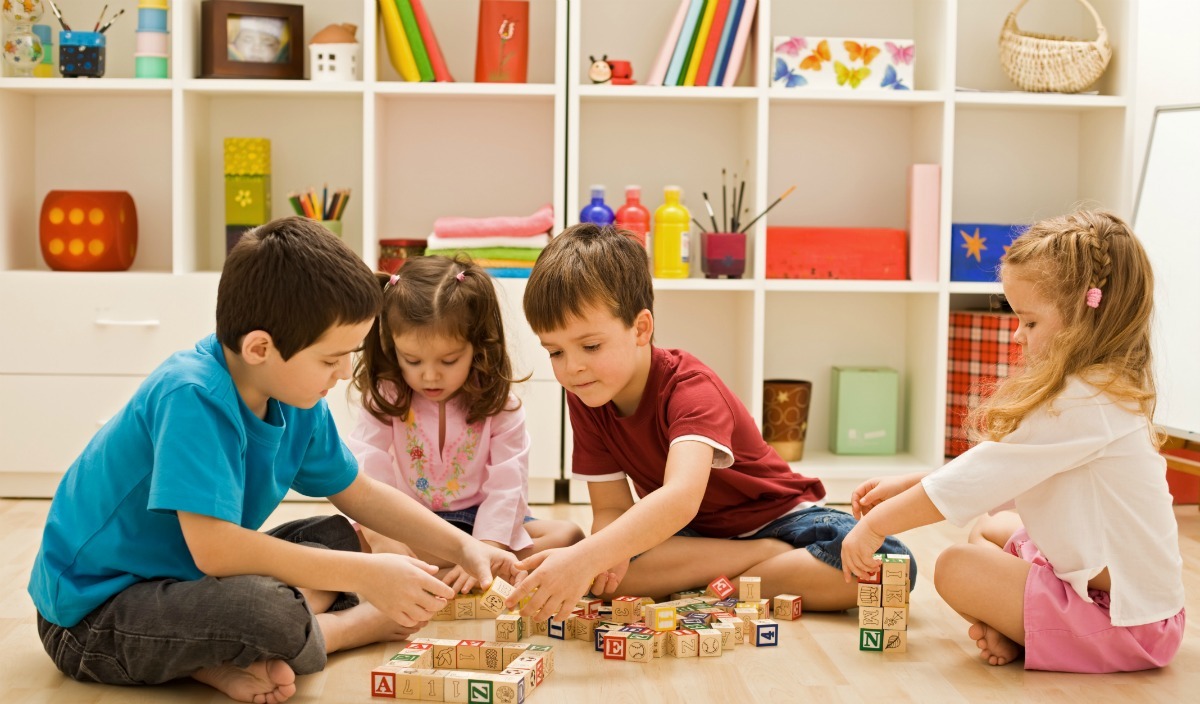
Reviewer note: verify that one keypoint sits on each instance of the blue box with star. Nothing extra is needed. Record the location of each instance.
(976, 249)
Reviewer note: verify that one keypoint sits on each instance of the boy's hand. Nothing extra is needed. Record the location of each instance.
(607, 582)
(875, 491)
(404, 588)
(556, 583)
(858, 551)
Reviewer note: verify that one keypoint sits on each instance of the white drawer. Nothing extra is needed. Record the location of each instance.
(524, 348)
(542, 401)
(45, 421)
(81, 323)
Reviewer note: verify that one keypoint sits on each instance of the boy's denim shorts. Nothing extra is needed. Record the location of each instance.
(464, 519)
(819, 530)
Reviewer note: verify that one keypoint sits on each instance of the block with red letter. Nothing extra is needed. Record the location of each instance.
(614, 645)
(720, 587)
(787, 607)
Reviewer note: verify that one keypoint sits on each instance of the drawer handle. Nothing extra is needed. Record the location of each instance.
(106, 322)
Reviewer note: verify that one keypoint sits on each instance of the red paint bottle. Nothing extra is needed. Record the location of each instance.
(634, 216)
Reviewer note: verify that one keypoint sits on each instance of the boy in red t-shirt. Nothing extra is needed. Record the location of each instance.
(715, 499)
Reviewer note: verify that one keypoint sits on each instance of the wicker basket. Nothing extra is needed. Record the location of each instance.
(1043, 62)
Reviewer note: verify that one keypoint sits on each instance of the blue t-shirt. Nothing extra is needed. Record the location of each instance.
(184, 442)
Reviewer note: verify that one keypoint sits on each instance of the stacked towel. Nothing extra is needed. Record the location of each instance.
(504, 246)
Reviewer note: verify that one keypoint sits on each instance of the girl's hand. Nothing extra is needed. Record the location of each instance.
(459, 580)
(481, 561)
(875, 491)
(607, 582)
(557, 582)
(404, 588)
(858, 551)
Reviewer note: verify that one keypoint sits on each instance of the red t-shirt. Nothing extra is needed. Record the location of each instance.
(750, 485)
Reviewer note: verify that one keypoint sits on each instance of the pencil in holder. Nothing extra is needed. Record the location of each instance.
(81, 54)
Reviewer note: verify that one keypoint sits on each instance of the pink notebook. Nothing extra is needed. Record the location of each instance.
(924, 208)
(659, 72)
(739, 44)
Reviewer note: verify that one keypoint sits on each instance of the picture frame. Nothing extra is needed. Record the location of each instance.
(251, 40)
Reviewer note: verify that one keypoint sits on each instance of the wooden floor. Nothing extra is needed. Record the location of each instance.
(817, 659)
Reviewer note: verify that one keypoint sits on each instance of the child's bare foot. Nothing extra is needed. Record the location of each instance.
(360, 625)
(995, 648)
(264, 682)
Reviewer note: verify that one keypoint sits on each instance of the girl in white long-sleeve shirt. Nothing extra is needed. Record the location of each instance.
(1092, 581)
(441, 423)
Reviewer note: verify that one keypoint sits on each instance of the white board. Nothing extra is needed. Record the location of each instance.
(1167, 219)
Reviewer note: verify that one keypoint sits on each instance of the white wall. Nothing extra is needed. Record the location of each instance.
(1168, 67)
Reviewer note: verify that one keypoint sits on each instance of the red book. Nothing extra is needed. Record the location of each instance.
(436, 61)
(714, 38)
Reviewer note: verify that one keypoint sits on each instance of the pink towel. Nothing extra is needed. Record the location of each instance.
(539, 223)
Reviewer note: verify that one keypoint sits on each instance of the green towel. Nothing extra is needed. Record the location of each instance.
(525, 254)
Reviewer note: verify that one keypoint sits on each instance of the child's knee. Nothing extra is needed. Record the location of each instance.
(953, 566)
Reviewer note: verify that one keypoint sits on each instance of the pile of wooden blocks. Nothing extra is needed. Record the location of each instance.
(691, 624)
(439, 670)
(883, 606)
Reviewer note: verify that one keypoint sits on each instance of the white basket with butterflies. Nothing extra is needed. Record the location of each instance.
(841, 62)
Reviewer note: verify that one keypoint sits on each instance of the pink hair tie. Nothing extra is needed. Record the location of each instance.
(392, 281)
(461, 275)
(1093, 297)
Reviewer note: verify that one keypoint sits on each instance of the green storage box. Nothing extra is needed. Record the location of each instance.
(864, 409)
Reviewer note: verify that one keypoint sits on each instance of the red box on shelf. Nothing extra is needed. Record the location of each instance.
(981, 352)
(836, 253)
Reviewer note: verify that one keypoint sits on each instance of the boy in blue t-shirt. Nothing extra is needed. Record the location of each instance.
(152, 567)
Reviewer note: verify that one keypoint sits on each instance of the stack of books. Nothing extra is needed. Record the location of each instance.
(706, 44)
(411, 43)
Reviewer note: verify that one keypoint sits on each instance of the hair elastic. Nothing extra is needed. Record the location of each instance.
(460, 276)
(1093, 297)
(391, 282)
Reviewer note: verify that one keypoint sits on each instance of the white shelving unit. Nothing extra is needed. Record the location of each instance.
(1006, 157)
(412, 152)
(78, 344)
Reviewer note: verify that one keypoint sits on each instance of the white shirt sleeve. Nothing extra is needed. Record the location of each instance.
(1068, 433)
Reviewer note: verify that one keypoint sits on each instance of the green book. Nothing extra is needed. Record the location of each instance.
(413, 32)
(687, 58)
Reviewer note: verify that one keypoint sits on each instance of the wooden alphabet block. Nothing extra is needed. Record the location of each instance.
(709, 643)
(491, 656)
(556, 628)
(481, 688)
(895, 641)
(532, 661)
(492, 600)
(432, 685)
(464, 606)
(508, 628)
(508, 688)
(749, 588)
(662, 618)
(870, 617)
(895, 569)
(383, 681)
(720, 588)
(468, 655)
(870, 639)
(639, 648)
(585, 627)
(766, 632)
(895, 595)
(739, 628)
(454, 685)
(614, 645)
(626, 609)
(547, 654)
(870, 594)
(895, 618)
(512, 651)
(408, 684)
(683, 643)
(787, 607)
(446, 613)
(590, 605)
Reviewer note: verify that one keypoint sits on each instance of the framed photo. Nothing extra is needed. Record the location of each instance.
(251, 40)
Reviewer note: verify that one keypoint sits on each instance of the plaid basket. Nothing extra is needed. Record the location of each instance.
(981, 353)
